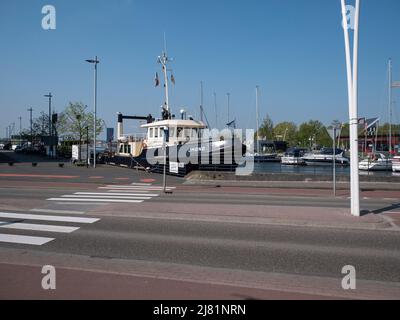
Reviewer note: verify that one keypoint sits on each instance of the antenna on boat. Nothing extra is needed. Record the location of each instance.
(163, 60)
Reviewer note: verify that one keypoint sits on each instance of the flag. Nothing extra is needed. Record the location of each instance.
(172, 79)
(157, 80)
(231, 124)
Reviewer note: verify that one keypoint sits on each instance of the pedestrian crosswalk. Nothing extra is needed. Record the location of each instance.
(132, 193)
(20, 221)
(56, 221)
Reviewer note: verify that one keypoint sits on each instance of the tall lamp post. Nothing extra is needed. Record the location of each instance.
(95, 62)
(20, 130)
(30, 118)
(50, 126)
(352, 82)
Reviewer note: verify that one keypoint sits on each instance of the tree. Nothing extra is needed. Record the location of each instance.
(266, 131)
(314, 133)
(40, 127)
(74, 122)
(287, 131)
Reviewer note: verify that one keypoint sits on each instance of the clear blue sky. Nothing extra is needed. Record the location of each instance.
(292, 49)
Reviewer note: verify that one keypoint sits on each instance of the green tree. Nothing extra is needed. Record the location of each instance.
(75, 121)
(266, 131)
(314, 132)
(286, 131)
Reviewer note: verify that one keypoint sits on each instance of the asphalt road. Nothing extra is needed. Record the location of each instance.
(198, 242)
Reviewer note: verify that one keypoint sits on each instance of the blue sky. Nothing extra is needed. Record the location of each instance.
(292, 49)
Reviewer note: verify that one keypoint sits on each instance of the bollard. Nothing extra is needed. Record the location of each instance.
(34, 164)
(61, 165)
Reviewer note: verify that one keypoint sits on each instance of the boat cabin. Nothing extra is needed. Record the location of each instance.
(180, 132)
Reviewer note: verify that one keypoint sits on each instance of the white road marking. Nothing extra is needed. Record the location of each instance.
(47, 218)
(118, 194)
(142, 184)
(36, 241)
(127, 191)
(80, 204)
(106, 197)
(37, 227)
(136, 188)
(95, 200)
(57, 211)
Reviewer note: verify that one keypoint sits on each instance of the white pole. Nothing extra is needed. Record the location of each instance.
(354, 118)
(352, 80)
(390, 106)
(201, 101)
(95, 113)
(334, 161)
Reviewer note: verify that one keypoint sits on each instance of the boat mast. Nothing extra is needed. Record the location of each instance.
(257, 119)
(163, 60)
(390, 106)
(216, 111)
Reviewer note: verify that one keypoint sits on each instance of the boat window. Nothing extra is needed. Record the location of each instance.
(151, 132)
(161, 133)
(172, 132)
(127, 149)
(156, 132)
(180, 132)
(121, 149)
(187, 133)
(195, 133)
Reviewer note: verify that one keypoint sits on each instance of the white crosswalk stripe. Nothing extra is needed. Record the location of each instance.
(132, 193)
(20, 221)
(35, 241)
(37, 227)
(96, 200)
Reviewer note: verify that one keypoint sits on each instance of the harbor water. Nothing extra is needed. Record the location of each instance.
(276, 167)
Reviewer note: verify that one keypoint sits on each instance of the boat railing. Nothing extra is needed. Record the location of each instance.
(139, 137)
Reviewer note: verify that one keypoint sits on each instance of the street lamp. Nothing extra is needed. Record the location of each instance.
(50, 126)
(95, 62)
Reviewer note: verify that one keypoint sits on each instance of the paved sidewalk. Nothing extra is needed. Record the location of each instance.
(254, 214)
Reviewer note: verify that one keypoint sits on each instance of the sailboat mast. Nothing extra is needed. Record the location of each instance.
(228, 95)
(201, 101)
(257, 118)
(215, 109)
(390, 106)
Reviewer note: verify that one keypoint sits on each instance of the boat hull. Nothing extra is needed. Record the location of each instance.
(215, 155)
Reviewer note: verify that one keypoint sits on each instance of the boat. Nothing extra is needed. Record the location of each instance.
(293, 157)
(376, 162)
(325, 158)
(179, 145)
(396, 164)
